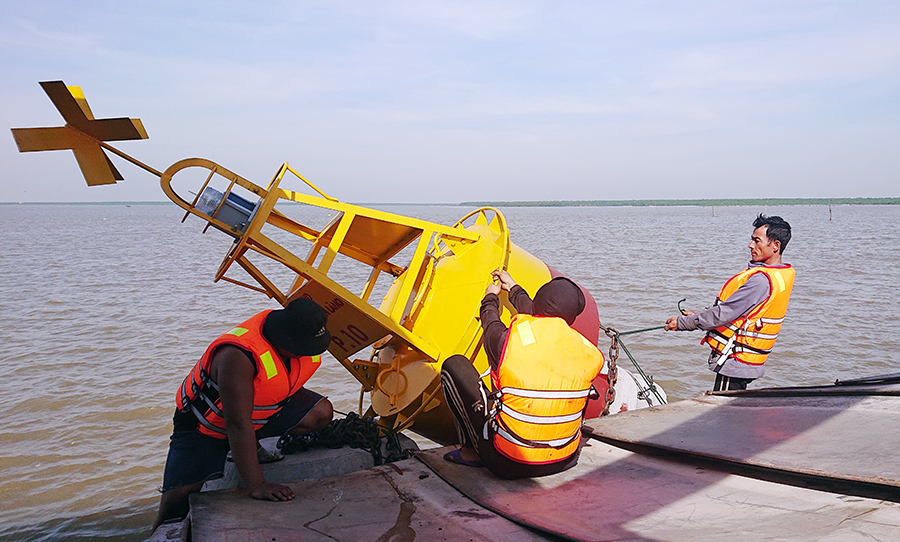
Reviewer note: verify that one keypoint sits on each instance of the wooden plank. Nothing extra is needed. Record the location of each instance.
(401, 501)
(613, 494)
(849, 437)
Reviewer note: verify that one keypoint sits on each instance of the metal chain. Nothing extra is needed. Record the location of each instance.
(354, 431)
(612, 373)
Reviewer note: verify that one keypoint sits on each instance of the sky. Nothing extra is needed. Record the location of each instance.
(443, 102)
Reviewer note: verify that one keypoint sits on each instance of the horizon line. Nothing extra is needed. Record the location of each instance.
(703, 202)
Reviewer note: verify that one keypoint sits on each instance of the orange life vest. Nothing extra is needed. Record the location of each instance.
(271, 386)
(758, 329)
(543, 382)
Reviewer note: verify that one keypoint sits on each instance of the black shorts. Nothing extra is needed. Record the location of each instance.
(194, 457)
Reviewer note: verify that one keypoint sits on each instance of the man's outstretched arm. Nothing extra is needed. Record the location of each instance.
(233, 372)
(749, 295)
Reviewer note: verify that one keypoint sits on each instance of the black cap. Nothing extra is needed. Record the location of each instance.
(298, 328)
(561, 298)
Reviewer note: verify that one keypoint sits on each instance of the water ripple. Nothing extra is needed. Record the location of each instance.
(113, 304)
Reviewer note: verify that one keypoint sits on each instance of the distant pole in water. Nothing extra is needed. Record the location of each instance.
(829, 211)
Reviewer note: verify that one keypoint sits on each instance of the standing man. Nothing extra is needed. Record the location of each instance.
(247, 386)
(742, 325)
(542, 370)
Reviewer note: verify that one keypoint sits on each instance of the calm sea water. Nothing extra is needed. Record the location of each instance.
(108, 306)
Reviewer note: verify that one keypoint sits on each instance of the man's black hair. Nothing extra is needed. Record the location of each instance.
(777, 229)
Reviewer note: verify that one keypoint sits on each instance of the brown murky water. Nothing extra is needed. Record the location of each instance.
(107, 307)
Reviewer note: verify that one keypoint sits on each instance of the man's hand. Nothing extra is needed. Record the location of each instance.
(272, 492)
(672, 323)
(493, 289)
(506, 281)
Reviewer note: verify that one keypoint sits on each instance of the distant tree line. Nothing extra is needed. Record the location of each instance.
(686, 202)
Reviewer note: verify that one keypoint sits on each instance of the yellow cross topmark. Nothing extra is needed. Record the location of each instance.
(82, 134)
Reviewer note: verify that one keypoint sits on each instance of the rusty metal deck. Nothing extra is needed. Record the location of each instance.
(848, 433)
(616, 495)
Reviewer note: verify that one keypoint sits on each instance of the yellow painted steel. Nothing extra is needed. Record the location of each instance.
(82, 134)
(430, 311)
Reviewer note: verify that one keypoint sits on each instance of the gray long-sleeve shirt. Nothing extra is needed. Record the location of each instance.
(750, 294)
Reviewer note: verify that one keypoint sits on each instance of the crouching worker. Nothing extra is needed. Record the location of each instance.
(247, 386)
(542, 370)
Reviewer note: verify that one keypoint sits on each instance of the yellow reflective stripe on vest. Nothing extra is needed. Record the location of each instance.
(269, 364)
(316, 359)
(238, 331)
(525, 333)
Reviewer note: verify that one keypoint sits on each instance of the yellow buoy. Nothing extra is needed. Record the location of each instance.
(394, 350)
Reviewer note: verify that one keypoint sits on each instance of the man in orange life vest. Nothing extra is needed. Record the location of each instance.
(248, 385)
(744, 322)
(542, 370)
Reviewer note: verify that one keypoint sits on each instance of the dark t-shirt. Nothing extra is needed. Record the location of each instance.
(495, 331)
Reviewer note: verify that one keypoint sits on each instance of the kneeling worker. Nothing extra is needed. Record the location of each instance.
(542, 370)
(742, 325)
(248, 385)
